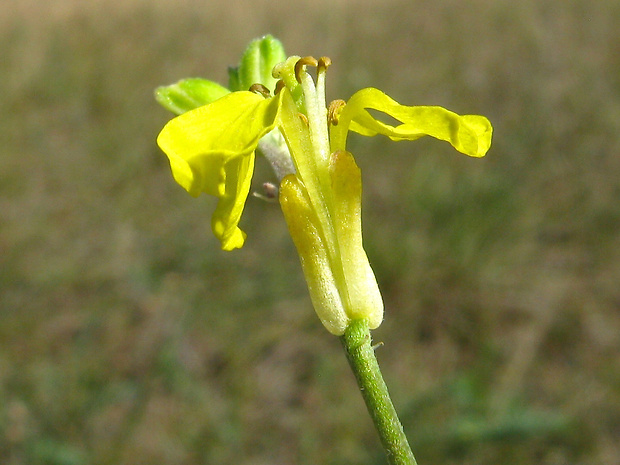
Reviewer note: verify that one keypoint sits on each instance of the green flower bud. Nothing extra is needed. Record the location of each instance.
(257, 63)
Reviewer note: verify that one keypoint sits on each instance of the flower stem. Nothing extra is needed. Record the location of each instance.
(361, 355)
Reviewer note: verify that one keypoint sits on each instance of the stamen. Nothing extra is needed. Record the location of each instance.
(303, 62)
(333, 111)
(260, 89)
(279, 86)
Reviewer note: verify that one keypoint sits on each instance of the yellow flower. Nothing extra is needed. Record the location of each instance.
(212, 149)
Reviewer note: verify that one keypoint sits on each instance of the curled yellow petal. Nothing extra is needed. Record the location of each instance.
(469, 134)
(224, 222)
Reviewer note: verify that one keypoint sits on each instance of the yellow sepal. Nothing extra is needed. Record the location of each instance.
(309, 238)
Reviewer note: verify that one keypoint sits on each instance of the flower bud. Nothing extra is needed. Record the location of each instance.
(257, 61)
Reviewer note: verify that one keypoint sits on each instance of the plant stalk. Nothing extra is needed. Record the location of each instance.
(361, 355)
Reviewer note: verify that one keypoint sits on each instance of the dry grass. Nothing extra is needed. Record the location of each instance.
(126, 336)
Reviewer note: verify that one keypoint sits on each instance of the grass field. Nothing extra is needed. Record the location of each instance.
(128, 337)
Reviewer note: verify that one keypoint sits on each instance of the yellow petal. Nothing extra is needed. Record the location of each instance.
(238, 178)
(469, 134)
(202, 139)
(211, 150)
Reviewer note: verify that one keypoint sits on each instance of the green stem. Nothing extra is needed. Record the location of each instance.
(357, 345)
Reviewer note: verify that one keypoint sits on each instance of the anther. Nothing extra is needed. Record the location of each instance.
(279, 86)
(323, 64)
(333, 111)
(271, 190)
(269, 194)
(304, 119)
(301, 63)
(260, 89)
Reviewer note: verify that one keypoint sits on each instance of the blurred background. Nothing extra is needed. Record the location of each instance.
(128, 337)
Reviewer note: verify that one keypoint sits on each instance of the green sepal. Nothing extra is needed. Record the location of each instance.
(189, 94)
(233, 79)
